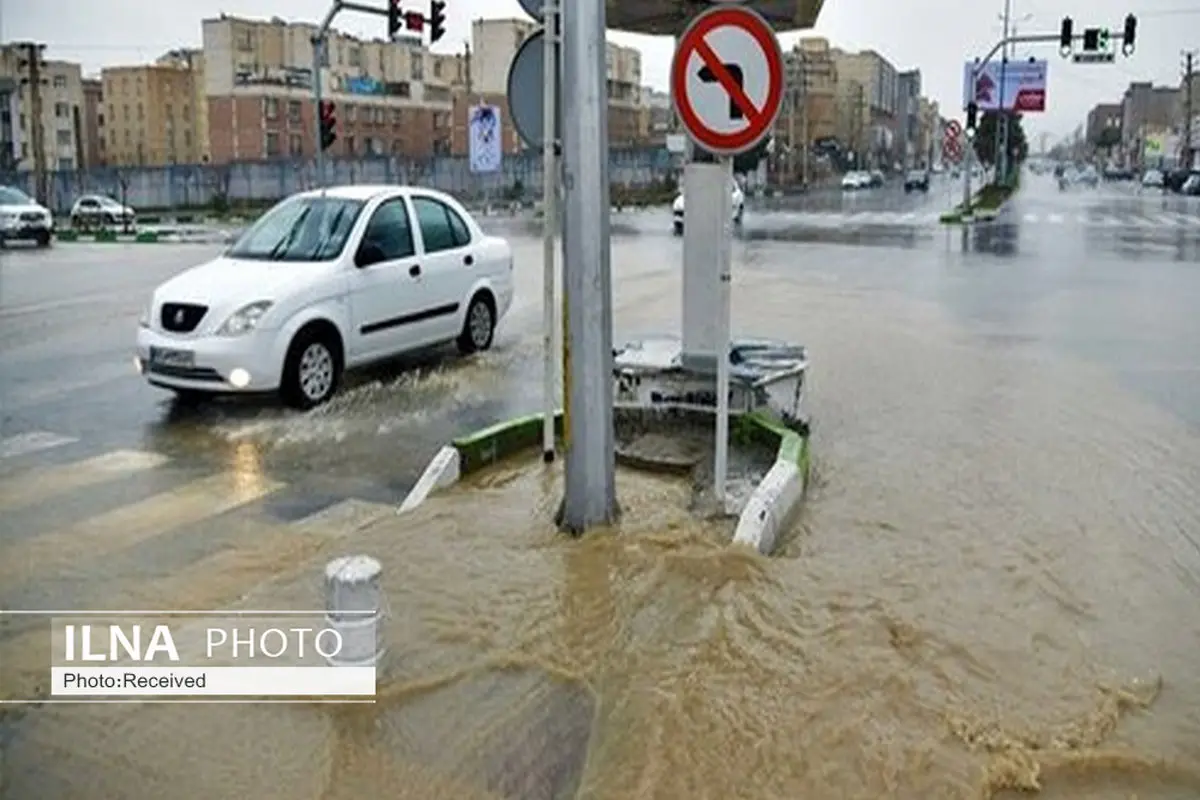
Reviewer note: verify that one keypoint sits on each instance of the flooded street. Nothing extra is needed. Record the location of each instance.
(993, 586)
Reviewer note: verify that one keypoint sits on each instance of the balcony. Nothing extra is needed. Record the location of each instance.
(670, 17)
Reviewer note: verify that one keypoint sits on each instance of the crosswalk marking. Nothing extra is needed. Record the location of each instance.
(24, 444)
(39, 485)
(129, 525)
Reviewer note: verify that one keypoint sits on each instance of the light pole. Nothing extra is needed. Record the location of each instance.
(1001, 136)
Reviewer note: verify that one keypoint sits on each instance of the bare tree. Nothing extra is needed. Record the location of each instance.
(219, 179)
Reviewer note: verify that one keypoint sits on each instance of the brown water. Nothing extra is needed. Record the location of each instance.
(992, 588)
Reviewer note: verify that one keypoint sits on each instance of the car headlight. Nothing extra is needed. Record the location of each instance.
(245, 319)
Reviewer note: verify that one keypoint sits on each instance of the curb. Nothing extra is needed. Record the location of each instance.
(771, 506)
(779, 495)
(145, 237)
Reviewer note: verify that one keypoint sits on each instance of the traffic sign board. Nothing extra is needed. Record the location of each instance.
(526, 77)
(1094, 58)
(953, 129)
(727, 79)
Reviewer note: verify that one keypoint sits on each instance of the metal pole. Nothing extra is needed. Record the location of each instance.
(721, 456)
(549, 216)
(590, 499)
(1001, 139)
(318, 44)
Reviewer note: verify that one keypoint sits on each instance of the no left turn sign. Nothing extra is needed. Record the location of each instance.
(727, 79)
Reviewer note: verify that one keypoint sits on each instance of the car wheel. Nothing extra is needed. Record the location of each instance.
(679, 229)
(479, 327)
(109, 219)
(311, 371)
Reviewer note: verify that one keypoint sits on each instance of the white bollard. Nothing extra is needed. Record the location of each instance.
(354, 608)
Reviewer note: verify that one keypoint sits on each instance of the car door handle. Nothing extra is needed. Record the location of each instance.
(468, 259)
(414, 270)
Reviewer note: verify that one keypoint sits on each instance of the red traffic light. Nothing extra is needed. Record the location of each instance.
(414, 21)
(327, 109)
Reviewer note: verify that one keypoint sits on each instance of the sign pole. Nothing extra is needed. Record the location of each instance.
(549, 224)
(721, 456)
(590, 496)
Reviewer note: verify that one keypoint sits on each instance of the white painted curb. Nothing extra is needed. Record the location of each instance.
(443, 471)
(770, 507)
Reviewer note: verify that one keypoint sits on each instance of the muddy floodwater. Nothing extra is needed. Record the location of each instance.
(993, 588)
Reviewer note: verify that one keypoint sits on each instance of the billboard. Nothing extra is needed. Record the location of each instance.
(1024, 88)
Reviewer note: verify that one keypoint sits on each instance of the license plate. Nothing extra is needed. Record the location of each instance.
(167, 357)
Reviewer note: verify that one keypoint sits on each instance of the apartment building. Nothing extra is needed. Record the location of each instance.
(908, 117)
(95, 140)
(657, 114)
(868, 84)
(494, 44)
(150, 115)
(45, 115)
(192, 61)
(810, 112)
(1145, 108)
(10, 112)
(391, 98)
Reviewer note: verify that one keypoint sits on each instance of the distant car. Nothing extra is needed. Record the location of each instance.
(1088, 176)
(1191, 187)
(326, 281)
(1174, 179)
(916, 180)
(95, 209)
(23, 219)
(852, 181)
(1153, 179)
(737, 196)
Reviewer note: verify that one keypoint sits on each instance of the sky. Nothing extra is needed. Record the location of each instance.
(935, 36)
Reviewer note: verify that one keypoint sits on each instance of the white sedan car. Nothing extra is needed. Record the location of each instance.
(739, 207)
(856, 180)
(325, 281)
(23, 218)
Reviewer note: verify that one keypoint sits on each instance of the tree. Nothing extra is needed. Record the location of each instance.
(1108, 139)
(986, 140)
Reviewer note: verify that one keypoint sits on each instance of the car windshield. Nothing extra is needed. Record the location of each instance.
(109, 202)
(13, 197)
(300, 229)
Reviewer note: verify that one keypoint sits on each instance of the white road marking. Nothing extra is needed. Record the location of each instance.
(32, 442)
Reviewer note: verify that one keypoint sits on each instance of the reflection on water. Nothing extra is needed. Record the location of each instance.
(992, 589)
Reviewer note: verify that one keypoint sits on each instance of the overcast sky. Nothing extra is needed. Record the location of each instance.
(936, 36)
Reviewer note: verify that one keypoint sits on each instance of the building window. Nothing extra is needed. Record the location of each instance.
(397, 147)
(294, 111)
(141, 113)
(63, 138)
(170, 111)
(62, 110)
(60, 81)
(349, 145)
(187, 112)
(125, 112)
(272, 144)
(187, 138)
(437, 68)
(245, 40)
(380, 116)
(66, 163)
(397, 117)
(295, 144)
(271, 107)
(418, 66)
(99, 120)
(351, 113)
(355, 57)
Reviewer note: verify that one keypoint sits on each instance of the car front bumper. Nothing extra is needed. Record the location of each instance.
(21, 230)
(214, 361)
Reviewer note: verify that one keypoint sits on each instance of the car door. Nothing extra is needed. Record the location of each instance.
(448, 263)
(387, 296)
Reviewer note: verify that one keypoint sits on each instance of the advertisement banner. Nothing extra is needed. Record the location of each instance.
(1023, 90)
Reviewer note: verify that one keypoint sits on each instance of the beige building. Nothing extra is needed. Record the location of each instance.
(868, 86)
(494, 44)
(95, 140)
(193, 62)
(391, 98)
(150, 115)
(47, 131)
(810, 105)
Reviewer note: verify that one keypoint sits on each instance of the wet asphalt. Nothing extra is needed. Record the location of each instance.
(68, 316)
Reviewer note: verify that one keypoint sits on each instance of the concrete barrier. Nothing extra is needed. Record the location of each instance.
(771, 506)
(777, 498)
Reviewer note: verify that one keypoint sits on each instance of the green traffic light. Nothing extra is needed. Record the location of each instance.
(1103, 40)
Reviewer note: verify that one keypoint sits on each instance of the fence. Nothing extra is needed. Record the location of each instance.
(261, 182)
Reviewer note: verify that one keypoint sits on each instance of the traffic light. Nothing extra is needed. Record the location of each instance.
(328, 124)
(437, 20)
(1066, 37)
(972, 116)
(1103, 40)
(1130, 33)
(395, 18)
(1091, 39)
(414, 21)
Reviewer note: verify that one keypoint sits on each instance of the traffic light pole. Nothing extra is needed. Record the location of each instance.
(318, 45)
(1004, 43)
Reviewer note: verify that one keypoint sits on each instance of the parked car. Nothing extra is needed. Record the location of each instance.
(94, 210)
(852, 181)
(875, 177)
(1191, 187)
(326, 281)
(1088, 176)
(737, 196)
(1174, 179)
(23, 219)
(916, 180)
(1153, 179)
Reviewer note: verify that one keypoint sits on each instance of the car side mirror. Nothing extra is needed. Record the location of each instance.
(369, 253)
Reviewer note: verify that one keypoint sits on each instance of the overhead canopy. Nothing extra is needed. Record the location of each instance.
(670, 17)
